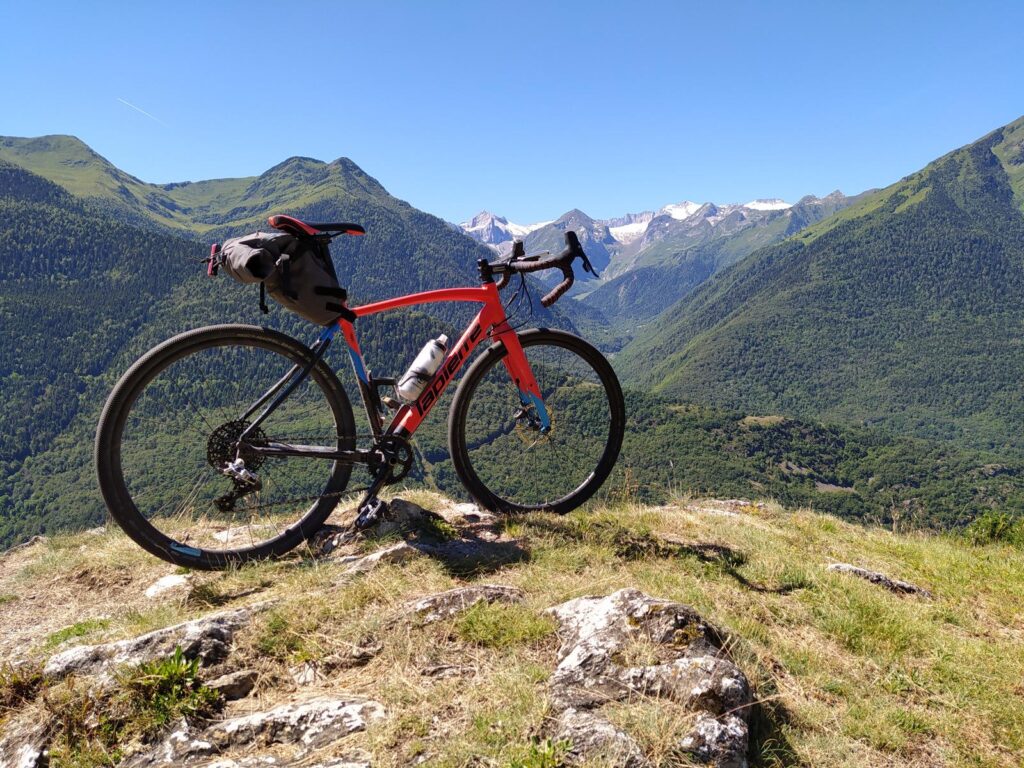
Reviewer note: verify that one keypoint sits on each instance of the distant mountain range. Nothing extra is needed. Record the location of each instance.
(650, 260)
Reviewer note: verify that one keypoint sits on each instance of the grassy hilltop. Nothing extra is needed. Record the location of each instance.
(845, 673)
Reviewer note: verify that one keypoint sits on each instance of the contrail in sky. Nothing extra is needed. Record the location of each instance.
(138, 109)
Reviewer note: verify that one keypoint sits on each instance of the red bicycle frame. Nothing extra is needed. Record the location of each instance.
(490, 322)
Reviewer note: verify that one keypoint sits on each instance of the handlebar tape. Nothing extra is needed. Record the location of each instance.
(562, 261)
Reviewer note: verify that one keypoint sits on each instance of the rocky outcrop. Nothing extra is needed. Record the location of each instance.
(463, 537)
(628, 645)
(208, 639)
(893, 585)
(234, 685)
(308, 725)
(23, 742)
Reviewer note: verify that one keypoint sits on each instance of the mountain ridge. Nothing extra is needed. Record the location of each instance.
(901, 310)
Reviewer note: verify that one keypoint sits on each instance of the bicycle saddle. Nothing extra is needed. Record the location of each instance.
(293, 226)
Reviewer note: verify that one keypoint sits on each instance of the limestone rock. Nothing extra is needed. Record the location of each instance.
(308, 725)
(627, 645)
(460, 535)
(311, 723)
(176, 582)
(208, 638)
(23, 742)
(720, 741)
(235, 685)
(444, 605)
(893, 585)
(594, 738)
(357, 564)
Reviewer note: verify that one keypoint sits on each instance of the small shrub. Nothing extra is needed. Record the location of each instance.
(996, 527)
(19, 685)
(544, 754)
(158, 692)
(92, 726)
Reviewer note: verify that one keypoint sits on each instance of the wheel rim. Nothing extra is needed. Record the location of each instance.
(506, 447)
(179, 427)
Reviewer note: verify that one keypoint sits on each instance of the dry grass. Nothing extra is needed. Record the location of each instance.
(846, 673)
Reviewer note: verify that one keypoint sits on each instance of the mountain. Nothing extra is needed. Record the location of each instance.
(94, 270)
(682, 246)
(493, 230)
(904, 310)
(651, 259)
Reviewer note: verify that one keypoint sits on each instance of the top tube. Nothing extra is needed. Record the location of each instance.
(482, 295)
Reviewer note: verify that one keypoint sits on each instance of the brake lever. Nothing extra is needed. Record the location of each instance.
(587, 265)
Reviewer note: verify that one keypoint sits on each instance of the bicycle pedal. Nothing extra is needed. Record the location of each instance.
(370, 514)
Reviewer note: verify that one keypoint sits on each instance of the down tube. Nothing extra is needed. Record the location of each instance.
(410, 416)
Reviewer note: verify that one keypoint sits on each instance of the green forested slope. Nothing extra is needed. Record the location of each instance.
(905, 310)
(90, 280)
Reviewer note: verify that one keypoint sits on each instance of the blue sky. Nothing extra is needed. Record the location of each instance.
(527, 109)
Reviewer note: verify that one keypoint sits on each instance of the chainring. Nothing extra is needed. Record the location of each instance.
(398, 448)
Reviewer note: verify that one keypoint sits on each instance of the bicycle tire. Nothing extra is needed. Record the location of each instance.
(109, 433)
(457, 431)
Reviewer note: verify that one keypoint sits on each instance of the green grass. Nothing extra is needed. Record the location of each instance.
(78, 629)
(846, 674)
(97, 727)
(496, 625)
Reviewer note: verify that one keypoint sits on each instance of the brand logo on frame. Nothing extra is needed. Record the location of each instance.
(446, 371)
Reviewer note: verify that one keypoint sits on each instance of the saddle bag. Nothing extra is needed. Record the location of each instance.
(297, 272)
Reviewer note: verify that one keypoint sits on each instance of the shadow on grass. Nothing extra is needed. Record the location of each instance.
(769, 745)
(631, 545)
(464, 550)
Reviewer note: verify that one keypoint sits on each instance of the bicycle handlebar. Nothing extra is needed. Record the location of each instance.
(518, 262)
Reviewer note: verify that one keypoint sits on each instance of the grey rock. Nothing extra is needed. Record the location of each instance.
(595, 631)
(468, 541)
(235, 685)
(893, 585)
(594, 738)
(357, 564)
(311, 723)
(208, 638)
(685, 663)
(444, 605)
(444, 671)
(23, 742)
(720, 741)
(307, 725)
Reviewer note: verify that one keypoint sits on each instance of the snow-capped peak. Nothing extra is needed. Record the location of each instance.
(683, 210)
(492, 229)
(773, 204)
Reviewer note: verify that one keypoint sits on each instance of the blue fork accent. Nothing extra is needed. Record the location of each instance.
(542, 412)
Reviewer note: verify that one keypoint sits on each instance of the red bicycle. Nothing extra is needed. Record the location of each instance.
(235, 442)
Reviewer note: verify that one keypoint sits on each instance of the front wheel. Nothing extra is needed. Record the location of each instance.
(508, 460)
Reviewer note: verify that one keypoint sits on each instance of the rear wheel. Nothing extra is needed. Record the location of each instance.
(172, 425)
(498, 446)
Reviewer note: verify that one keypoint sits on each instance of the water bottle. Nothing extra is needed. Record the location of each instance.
(422, 369)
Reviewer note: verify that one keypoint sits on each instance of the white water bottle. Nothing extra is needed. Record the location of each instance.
(422, 369)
